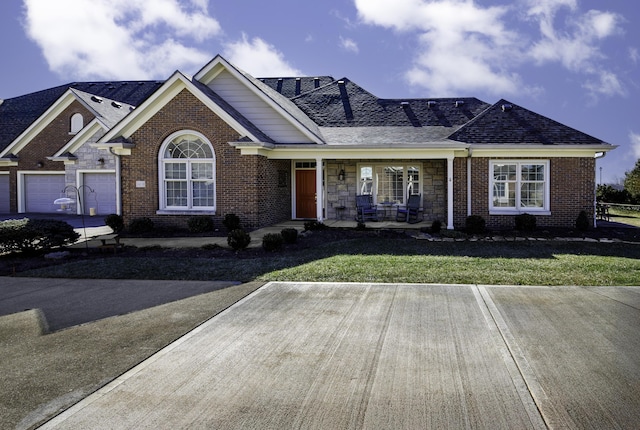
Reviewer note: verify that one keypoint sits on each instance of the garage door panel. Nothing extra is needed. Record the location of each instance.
(41, 190)
(103, 197)
(4, 194)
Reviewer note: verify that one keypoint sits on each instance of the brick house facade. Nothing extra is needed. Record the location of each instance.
(278, 143)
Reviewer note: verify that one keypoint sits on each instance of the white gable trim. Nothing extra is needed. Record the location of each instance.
(81, 138)
(171, 88)
(20, 142)
(216, 66)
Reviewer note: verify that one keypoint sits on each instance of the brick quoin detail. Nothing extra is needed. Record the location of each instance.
(245, 185)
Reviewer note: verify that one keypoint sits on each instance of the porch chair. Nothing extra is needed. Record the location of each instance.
(411, 212)
(365, 209)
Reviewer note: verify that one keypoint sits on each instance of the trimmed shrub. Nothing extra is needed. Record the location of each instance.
(272, 242)
(200, 224)
(475, 224)
(289, 235)
(525, 222)
(314, 225)
(30, 236)
(115, 221)
(238, 239)
(231, 222)
(436, 226)
(141, 225)
(582, 222)
(361, 226)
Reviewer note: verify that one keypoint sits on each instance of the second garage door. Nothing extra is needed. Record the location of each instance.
(40, 191)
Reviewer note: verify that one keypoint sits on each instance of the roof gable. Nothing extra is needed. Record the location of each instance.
(269, 110)
(171, 87)
(507, 123)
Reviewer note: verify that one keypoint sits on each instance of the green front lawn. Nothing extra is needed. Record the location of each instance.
(378, 259)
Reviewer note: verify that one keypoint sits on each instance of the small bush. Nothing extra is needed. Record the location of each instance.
(525, 222)
(475, 224)
(289, 235)
(314, 225)
(141, 225)
(582, 222)
(361, 226)
(200, 224)
(238, 239)
(231, 222)
(30, 236)
(272, 242)
(436, 226)
(115, 221)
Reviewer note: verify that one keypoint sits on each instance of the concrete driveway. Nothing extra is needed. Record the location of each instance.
(300, 355)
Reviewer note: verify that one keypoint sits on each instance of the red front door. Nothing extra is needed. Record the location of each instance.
(306, 194)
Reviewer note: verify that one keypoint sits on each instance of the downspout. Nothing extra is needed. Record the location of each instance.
(469, 155)
(450, 193)
(319, 190)
(118, 183)
(597, 155)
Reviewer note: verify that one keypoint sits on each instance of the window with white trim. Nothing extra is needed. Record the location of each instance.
(390, 183)
(187, 173)
(519, 186)
(77, 122)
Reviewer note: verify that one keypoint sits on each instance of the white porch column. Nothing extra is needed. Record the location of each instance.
(450, 193)
(319, 190)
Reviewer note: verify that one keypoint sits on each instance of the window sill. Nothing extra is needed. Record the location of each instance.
(518, 212)
(185, 212)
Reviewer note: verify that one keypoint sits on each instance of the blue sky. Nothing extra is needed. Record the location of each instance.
(575, 61)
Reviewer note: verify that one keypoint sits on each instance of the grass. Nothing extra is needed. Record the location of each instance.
(374, 259)
(625, 216)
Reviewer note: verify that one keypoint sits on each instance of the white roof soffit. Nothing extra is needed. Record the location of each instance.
(172, 87)
(540, 151)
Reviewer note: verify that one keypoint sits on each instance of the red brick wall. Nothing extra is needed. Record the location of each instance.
(572, 189)
(245, 185)
(45, 144)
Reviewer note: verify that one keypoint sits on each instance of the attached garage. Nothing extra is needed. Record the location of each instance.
(103, 197)
(40, 190)
(4, 194)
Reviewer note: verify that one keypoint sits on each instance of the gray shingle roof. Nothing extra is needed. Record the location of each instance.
(18, 113)
(110, 112)
(345, 104)
(507, 123)
(294, 86)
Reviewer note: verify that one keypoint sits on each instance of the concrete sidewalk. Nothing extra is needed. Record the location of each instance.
(294, 355)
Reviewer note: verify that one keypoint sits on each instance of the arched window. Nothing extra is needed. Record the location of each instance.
(77, 122)
(187, 173)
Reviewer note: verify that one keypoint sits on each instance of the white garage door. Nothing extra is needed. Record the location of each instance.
(4, 194)
(104, 196)
(40, 191)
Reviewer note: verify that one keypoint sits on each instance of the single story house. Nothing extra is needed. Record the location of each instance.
(274, 149)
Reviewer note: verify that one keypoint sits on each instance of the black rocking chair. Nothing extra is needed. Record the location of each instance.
(411, 212)
(365, 209)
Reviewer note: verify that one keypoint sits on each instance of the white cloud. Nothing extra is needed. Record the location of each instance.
(120, 39)
(634, 55)
(349, 45)
(259, 58)
(635, 144)
(462, 46)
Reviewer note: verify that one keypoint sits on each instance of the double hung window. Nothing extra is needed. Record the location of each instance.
(390, 183)
(187, 173)
(519, 186)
